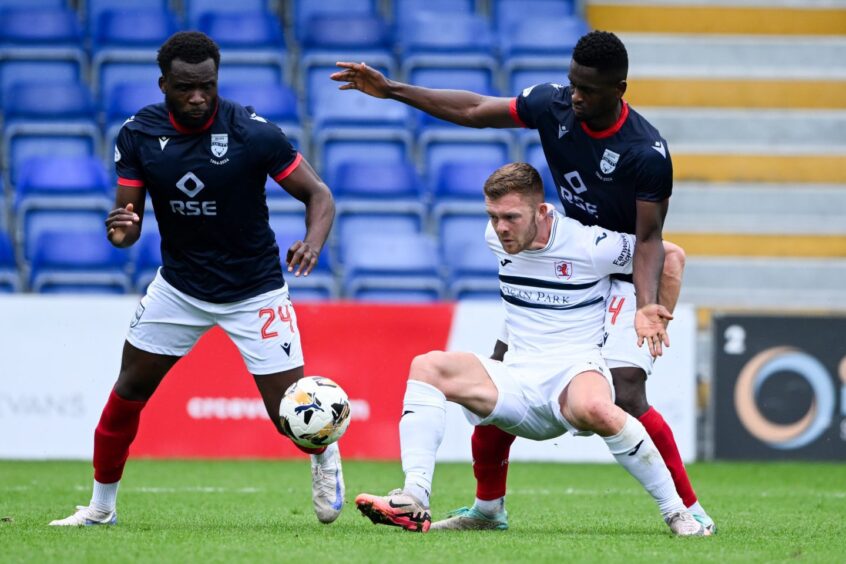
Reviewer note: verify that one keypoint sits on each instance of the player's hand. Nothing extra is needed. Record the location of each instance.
(118, 222)
(302, 257)
(651, 326)
(359, 76)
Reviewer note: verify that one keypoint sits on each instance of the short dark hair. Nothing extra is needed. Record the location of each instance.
(520, 178)
(190, 46)
(603, 51)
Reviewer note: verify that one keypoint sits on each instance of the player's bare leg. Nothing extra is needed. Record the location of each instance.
(586, 404)
(327, 474)
(630, 388)
(140, 375)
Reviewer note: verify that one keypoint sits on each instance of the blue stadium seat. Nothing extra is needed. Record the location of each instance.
(124, 101)
(48, 119)
(507, 13)
(127, 28)
(464, 180)
(378, 187)
(406, 10)
(40, 27)
(18, 66)
(61, 183)
(471, 264)
(243, 30)
(399, 263)
(553, 37)
(78, 261)
(113, 67)
(439, 146)
(306, 10)
(360, 147)
(276, 103)
(349, 226)
(529, 72)
(349, 108)
(288, 228)
(194, 9)
(68, 220)
(9, 276)
(59, 4)
(147, 257)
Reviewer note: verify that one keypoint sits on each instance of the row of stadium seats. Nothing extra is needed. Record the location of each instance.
(66, 251)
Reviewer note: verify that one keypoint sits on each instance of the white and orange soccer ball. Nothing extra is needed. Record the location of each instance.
(315, 411)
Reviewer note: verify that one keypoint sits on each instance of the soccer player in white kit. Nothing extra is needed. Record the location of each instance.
(554, 280)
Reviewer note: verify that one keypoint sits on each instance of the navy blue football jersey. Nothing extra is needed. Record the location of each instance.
(207, 187)
(599, 175)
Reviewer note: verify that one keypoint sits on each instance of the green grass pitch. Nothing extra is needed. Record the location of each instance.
(250, 511)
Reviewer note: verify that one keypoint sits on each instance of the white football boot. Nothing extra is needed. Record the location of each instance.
(327, 484)
(86, 516)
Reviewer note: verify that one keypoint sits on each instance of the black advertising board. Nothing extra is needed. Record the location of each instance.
(779, 388)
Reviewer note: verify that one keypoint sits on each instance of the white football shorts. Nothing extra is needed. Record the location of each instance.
(527, 405)
(264, 327)
(620, 348)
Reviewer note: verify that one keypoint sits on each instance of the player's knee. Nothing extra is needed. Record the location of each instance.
(427, 368)
(632, 402)
(593, 413)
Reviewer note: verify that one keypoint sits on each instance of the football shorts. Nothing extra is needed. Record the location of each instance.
(620, 348)
(527, 402)
(264, 327)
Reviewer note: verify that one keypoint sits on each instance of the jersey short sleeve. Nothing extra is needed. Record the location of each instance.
(611, 252)
(654, 174)
(275, 153)
(127, 163)
(532, 102)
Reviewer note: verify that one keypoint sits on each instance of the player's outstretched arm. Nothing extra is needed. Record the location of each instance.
(305, 185)
(457, 106)
(123, 224)
(651, 318)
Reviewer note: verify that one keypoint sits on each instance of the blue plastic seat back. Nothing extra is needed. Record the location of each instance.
(7, 251)
(194, 9)
(273, 102)
(491, 154)
(337, 152)
(243, 30)
(306, 10)
(359, 32)
(119, 72)
(249, 73)
(40, 27)
(350, 226)
(58, 4)
(126, 98)
(63, 176)
(464, 180)
(541, 36)
(401, 254)
(69, 221)
(461, 237)
(432, 32)
(15, 71)
(49, 101)
(376, 180)
(506, 13)
(395, 295)
(332, 107)
(24, 147)
(94, 10)
(406, 10)
(132, 28)
(76, 250)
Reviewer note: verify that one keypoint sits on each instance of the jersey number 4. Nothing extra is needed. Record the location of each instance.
(616, 307)
(284, 316)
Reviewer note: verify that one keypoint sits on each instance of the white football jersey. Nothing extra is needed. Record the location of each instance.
(554, 297)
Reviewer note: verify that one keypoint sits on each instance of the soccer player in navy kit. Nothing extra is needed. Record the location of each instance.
(204, 161)
(612, 169)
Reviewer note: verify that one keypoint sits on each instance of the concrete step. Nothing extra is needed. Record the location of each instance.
(764, 283)
(742, 18)
(757, 209)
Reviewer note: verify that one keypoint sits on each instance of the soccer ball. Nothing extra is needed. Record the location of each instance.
(314, 412)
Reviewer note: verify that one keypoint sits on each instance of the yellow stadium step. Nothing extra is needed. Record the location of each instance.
(757, 245)
(716, 19)
(739, 167)
(736, 93)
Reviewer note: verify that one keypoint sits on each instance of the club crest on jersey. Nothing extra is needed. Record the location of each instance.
(564, 269)
(609, 161)
(219, 144)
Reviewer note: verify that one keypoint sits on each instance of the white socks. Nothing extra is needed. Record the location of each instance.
(421, 432)
(636, 452)
(490, 508)
(104, 496)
